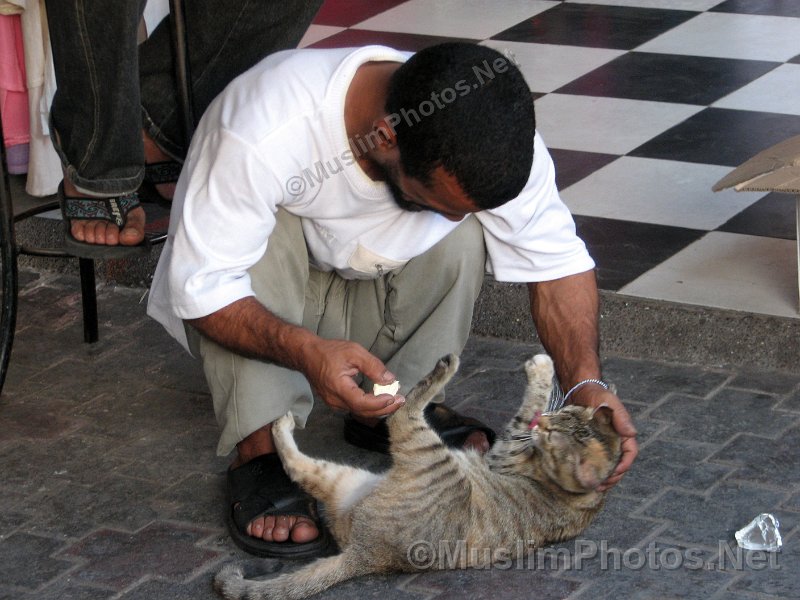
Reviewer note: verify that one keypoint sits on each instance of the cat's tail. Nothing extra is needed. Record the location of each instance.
(229, 582)
(312, 579)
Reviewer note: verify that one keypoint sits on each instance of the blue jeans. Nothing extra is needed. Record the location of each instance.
(110, 88)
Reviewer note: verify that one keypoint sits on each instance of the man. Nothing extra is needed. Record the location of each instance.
(334, 219)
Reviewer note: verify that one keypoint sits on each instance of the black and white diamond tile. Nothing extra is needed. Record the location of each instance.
(644, 104)
(595, 26)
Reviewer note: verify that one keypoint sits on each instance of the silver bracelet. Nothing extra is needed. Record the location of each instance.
(599, 382)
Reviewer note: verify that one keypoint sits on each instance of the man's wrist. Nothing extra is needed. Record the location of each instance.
(591, 381)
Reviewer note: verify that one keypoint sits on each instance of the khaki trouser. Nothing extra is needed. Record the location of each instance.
(408, 318)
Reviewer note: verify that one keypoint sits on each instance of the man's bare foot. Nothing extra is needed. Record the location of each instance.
(272, 528)
(280, 528)
(154, 154)
(102, 232)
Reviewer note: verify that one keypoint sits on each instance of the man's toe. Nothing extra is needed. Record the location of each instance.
(133, 233)
(109, 236)
(282, 528)
(78, 230)
(256, 527)
(304, 530)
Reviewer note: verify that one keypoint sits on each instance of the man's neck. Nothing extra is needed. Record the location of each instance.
(364, 104)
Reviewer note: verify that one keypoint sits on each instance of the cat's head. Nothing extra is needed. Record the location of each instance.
(578, 447)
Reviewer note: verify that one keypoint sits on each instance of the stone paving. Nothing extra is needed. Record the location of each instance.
(111, 488)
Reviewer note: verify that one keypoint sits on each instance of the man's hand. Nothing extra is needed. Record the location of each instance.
(331, 365)
(247, 328)
(565, 312)
(593, 396)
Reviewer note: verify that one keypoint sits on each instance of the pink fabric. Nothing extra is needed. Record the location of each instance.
(13, 88)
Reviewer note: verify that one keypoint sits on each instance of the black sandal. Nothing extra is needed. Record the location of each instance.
(261, 487)
(167, 171)
(452, 427)
(113, 210)
(155, 174)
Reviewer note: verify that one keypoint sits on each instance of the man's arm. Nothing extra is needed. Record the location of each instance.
(246, 327)
(565, 312)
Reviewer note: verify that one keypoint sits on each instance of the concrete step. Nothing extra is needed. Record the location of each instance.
(652, 329)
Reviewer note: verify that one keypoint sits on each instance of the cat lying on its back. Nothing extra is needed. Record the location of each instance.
(535, 485)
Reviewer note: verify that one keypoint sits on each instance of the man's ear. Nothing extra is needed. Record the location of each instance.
(384, 132)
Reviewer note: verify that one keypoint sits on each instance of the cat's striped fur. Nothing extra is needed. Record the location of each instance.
(534, 487)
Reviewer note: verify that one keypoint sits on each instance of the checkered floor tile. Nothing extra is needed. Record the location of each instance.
(644, 104)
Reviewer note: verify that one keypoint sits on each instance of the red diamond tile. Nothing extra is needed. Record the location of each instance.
(345, 13)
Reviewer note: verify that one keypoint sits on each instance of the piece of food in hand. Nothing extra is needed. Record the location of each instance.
(391, 389)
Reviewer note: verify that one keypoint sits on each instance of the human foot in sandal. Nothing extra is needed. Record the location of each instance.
(100, 220)
(269, 514)
(117, 221)
(455, 429)
(161, 171)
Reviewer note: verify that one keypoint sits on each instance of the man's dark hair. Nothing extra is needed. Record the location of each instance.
(468, 109)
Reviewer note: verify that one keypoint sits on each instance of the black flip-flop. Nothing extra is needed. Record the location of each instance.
(452, 427)
(262, 487)
(166, 171)
(155, 174)
(113, 210)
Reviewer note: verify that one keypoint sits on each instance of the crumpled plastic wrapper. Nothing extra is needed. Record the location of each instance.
(762, 533)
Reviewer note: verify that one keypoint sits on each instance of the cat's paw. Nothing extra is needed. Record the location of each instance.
(284, 425)
(540, 368)
(446, 367)
(432, 384)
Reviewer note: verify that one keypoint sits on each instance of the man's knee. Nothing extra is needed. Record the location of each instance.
(461, 255)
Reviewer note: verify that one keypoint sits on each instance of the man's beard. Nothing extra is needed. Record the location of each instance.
(397, 193)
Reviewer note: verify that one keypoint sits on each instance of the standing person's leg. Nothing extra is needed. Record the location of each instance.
(95, 108)
(224, 40)
(95, 117)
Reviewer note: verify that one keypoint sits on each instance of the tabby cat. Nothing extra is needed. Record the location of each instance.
(459, 508)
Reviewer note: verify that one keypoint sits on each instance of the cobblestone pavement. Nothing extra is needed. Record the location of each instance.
(111, 489)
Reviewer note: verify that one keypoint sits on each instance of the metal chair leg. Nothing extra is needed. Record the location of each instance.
(8, 250)
(88, 300)
(180, 57)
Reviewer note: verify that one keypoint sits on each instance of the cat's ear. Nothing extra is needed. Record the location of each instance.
(603, 414)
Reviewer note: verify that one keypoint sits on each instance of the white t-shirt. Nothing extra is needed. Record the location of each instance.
(275, 137)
